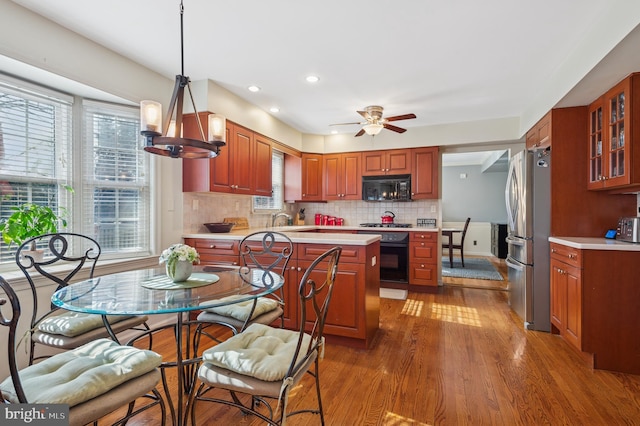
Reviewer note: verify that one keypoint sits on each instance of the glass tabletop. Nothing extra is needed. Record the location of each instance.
(141, 291)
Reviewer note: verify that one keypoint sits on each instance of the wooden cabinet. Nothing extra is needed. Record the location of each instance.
(566, 293)
(215, 251)
(423, 258)
(231, 171)
(354, 316)
(243, 166)
(614, 160)
(498, 240)
(388, 162)
(311, 177)
(539, 137)
(261, 167)
(594, 305)
(424, 173)
(342, 176)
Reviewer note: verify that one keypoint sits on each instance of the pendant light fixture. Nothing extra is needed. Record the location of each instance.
(168, 141)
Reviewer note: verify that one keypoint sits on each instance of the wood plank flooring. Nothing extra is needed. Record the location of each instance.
(456, 357)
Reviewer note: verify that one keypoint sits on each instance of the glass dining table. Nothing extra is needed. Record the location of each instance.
(151, 292)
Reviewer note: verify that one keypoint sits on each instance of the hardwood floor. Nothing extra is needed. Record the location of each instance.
(456, 357)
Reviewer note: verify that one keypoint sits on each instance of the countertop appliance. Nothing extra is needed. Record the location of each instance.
(629, 229)
(528, 203)
(386, 188)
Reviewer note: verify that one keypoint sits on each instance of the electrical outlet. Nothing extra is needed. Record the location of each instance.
(195, 204)
(433, 209)
(475, 243)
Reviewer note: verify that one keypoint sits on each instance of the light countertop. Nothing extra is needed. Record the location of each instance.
(302, 234)
(589, 243)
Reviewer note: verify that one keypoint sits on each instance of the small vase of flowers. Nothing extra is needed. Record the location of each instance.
(179, 259)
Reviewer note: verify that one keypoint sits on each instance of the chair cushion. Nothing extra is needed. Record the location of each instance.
(78, 375)
(71, 324)
(240, 310)
(260, 351)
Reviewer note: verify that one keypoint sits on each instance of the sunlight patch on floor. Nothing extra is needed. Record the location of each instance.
(412, 307)
(393, 419)
(457, 314)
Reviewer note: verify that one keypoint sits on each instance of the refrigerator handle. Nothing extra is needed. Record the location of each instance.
(515, 241)
(515, 266)
(507, 196)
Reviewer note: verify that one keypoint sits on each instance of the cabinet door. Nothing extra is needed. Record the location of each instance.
(351, 176)
(399, 162)
(539, 137)
(573, 323)
(241, 160)
(617, 167)
(373, 163)
(220, 174)
(312, 177)
(393, 162)
(596, 162)
(262, 167)
(558, 292)
(424, 176)
(195, 172)
(331, 188)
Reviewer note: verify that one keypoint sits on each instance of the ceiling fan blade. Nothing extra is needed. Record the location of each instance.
(344, 124)
(394, 128)
(400, 117)
(365, 114)
(360, 133)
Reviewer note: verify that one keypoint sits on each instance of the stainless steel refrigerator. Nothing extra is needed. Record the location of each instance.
(528, 203)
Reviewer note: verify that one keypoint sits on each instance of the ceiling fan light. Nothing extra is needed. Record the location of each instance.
(373, 129)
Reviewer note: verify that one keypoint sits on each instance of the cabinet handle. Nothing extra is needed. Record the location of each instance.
(572, 256)
(212, 246)
(422, 244)
(422, 236)
(554, 250)
(422, 265)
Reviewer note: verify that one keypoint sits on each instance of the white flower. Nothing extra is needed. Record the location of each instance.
(179, 252)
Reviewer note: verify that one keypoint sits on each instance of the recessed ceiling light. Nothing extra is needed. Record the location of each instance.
(334, 132)
(253, 88)
(312, 78)
(274, 109)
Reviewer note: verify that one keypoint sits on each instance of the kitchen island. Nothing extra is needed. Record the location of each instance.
(595, 300)
(354, 316)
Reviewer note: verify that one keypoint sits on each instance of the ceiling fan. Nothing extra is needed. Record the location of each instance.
(375, 122)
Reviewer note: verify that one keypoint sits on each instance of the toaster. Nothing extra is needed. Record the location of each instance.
(629, 229)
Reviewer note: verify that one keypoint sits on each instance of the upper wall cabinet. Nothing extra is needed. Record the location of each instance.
(342, 176)
(424, 173)
(243, 166)
(311, 177)
(614, 123)
(539, 137)
(392, 162)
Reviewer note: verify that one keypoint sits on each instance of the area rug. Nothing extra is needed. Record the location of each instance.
(474, 268)
(393, 293)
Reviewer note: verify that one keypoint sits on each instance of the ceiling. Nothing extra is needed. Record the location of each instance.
(446, 61)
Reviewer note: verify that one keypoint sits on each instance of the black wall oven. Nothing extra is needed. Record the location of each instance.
(394, 255)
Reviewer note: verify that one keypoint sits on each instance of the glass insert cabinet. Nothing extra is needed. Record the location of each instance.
(611, 159)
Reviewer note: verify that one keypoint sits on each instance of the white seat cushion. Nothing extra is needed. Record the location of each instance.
(241, 310)
(67, 323)
(260, 351)
(80, 374)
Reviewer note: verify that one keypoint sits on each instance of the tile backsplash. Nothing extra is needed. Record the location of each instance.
(200, 208)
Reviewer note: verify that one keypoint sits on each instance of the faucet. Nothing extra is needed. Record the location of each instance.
(275, 216)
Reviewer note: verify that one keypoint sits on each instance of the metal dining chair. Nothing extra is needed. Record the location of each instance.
(60, 258)
(271, 252)
(94, 379)
(260, 366)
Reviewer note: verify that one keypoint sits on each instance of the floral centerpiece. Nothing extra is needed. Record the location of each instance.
(179, 259)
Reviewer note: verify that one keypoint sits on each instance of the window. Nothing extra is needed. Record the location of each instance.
(115, 194)
(39, 155)
(276, 201)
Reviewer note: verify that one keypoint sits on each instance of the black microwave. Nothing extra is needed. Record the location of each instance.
(386, 188)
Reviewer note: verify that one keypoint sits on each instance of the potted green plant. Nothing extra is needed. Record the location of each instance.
(30, 220)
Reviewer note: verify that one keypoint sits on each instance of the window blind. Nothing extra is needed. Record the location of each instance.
(115, 187)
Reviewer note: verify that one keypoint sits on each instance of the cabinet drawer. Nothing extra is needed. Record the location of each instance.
(423, 236)
(210, 246)
(566, 254)
(350, 254)
(423, 252)
(423, 274)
